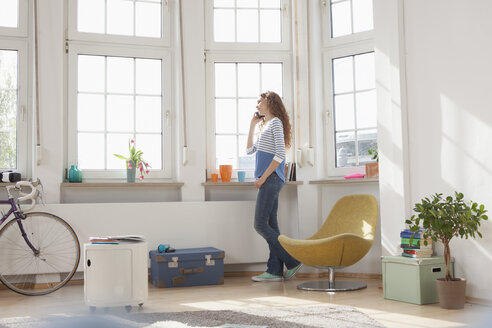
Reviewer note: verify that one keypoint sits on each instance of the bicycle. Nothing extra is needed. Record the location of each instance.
(39, 251)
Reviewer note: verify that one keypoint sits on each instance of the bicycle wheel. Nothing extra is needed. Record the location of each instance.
(38, 274)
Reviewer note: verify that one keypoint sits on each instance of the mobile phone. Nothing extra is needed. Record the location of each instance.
(259, 116)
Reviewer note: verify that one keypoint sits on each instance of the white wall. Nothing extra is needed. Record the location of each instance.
(446, 59)
(302, 208)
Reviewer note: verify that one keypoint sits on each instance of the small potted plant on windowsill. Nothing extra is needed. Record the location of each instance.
(372, 169)
(442, 219)
(133, 161)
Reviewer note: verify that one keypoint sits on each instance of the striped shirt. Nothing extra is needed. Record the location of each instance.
(270, 146)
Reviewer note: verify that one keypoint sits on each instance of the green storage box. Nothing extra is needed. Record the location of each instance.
(413, 280)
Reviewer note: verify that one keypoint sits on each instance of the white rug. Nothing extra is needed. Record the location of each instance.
(286, 317)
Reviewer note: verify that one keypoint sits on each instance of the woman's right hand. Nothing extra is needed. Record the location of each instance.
(255, 120)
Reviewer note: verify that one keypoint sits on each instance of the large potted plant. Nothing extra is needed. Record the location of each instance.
(442, 219)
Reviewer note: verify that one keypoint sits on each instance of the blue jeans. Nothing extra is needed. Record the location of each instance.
(266, 225)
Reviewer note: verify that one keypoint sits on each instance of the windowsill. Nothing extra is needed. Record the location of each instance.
(341, 180)
(209, 183)
(122, 184)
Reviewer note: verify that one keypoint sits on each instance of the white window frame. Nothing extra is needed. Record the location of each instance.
(260, 46)
(18, 39)
(21, 29)
(328, 57)
(167, 72)
(328, 41)
(287, 92)
(164, 40)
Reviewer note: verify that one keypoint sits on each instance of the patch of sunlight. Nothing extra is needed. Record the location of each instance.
(393, 319)
(482, 249)
(367, 230)
(258, 302)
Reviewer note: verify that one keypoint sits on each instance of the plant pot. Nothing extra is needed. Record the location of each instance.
(372, 170)
(130, 171)
(451, 293)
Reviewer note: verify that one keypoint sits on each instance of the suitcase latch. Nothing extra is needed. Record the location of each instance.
(209, 261)
(174, 263)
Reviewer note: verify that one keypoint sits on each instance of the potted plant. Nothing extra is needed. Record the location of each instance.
(372, 169)
(442, 219)
(133, 161)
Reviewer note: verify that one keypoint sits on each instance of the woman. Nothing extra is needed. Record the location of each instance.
(270, 178)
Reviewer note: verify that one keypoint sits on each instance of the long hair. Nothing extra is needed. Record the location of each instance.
(277, 109)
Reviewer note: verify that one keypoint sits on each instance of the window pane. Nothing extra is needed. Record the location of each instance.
(225, 116)
(148, 114)
(151, 145)
(247, 25)
(224, 3)
(9, 13)
(270, 26)
(344, 112)
(248, 76)
(120, 17)
(8, 69)
(269, 3)
(363, 18)
(90, 73)
(90, 112)
(148, 19)
(225, 80)
(245, 162)
(341, 19)
(117, 144)
(366, 109)
(120, 113)
(271, 78)
(345, 147)
(90, 16)
(343, 76)
(224, 25)
(120, 74)
(226, 150)
(148, 74)
(364, 72)
(367, 139)
(247, 3)
(91, 151)
(8, 109)
(247, 107)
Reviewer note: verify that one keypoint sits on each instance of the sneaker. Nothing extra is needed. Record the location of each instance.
(292, 272)
(265, 276)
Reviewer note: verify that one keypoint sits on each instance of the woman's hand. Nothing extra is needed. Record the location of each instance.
(255, 120)
(259, 182)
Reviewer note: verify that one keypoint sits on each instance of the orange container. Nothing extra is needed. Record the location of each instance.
(214, 177)
(225, 172)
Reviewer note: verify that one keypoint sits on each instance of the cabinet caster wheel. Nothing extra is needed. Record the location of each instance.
(93, 309)
(140, 305)
(128, 308)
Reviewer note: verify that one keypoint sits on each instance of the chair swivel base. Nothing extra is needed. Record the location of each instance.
(336, 286)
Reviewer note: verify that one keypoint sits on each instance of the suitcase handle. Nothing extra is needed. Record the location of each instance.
(191, 271)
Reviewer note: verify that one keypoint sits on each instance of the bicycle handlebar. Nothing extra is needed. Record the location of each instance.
(32, 196)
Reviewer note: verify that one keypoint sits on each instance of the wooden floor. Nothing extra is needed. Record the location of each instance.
(240, 292)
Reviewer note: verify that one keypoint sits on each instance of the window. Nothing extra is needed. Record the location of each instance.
(350, 84)
(248, 53)
(119, 92)
(247, 24)
(237, 87)
(13, 86)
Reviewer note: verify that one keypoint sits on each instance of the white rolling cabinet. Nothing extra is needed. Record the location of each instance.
(115, 275)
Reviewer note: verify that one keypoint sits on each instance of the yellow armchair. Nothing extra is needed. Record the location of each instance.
(344, 238)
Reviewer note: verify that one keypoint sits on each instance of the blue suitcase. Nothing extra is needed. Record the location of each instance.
(187, 267)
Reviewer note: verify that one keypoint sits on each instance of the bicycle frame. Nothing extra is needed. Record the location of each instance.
(18, 217)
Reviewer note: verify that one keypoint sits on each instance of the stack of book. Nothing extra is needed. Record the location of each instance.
(417, 247)
(103, 240)
(290, 171)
